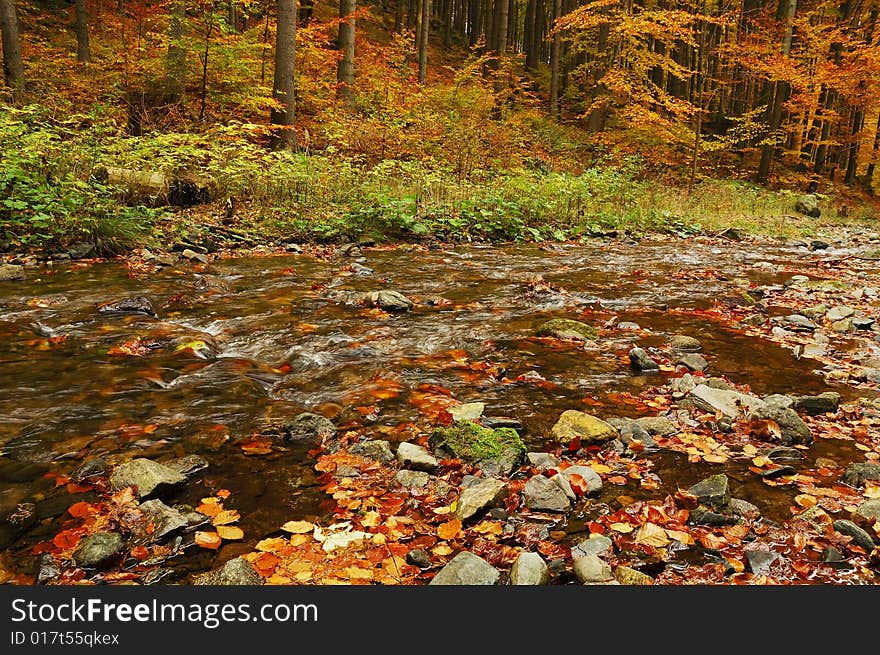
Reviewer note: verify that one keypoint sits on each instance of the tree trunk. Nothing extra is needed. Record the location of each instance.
(852, 159)
(282, 86)
(529, 40)
(555, 51)
(345, 70)
(424, 31)
(780, 91)
(175, 60)
(398, 16)
(81, 28)
(13, 69)
(874, 153)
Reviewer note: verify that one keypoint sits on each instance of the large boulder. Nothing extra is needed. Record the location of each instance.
(529, 569)
(236, 572)
(466, 569)
(824, 403)
(729, 403)
(542, 493)
(148, 478)
(712, 491)
(589, 476)
(471, 443)
(479, 497)
(565, 328)
(309, 427)
(808, 204)
(792, 428)
(573, 424)
(684, 343)
(859, 536)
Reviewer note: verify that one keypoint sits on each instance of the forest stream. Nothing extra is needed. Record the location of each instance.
(213, 360)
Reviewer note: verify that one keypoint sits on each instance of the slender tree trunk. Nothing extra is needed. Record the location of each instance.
(555, 51)
(424, 31)
(780, 91)
(875, 151)
(345, 70)
(13, 69)
(265, 42)
(283, 85)
(398, 16)
(529, 40)
(852, 159)
(701, 85)
(81, 29)
(175, 59)
(203, 90)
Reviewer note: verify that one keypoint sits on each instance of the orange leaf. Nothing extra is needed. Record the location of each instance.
(266, 563)
(210, 540)
(80, 510)
(140, 553)
(226, 517)
(67, 539)
(449, 530)
(209, 509)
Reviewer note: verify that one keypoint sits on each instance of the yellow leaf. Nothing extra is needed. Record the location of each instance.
(230, 532)
(680, 536)
(862, 446)
(872, 490)
(379, 539)
(303, 576)
(371, 519)
(194, 345)
(652, 535)
(276, 578)
(449, 530)
(715, 458)
(441, 550)
(488, 527)
(805, 500)
(298, 527)
(749, 450)
(624, 528)
(357, 573)
(271, 545)
(442, 510)
(761, 461)
(226, 517)
(600, 468)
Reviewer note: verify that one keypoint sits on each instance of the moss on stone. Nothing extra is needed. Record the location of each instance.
(471, 442)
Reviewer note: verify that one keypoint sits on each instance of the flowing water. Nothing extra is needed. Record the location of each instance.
(276, 337)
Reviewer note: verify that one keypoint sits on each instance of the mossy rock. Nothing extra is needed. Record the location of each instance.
(566, 328)
(473, 443)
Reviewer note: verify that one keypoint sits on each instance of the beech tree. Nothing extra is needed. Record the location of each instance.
(282, 115)
(345, 69)
(13, 69)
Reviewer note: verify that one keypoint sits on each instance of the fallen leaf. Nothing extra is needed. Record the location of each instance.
(449, 530)
(652, 535)
(298, 527)
(624, 528)
(230, 532)
(226, 517)
(210, 540)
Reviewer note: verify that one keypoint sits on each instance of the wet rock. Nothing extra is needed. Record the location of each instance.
(412, 479)
(529, 569)
(640, 360)
(729, 403)
(792, 427)
(629, 576)
(360, 269)
(47, 569)
(471, 442)
(91, 468)
(562, 482)
(839, 313)
(693, 361)
(827, 402)
(573, 424)
(592, 479)
(846, 325)
(467, 411)
(494, 422)
(628, 325)
(163, 519)
(632, 430)
(760, 561)
(800, 322)
(712, 491)
(192, 255)
(778, 400)
(390, 301)
(187, 465)
(543, 494)
(480, 497)
(869, 510)
(816, 244)
(815, 516)
(136, 305)
(684, 343)
(782, 471)
(592, 569)
(834, 557)
(595, 545)
(702, 515)
(808, 204)
(564, 328)
(419, 557)
(685, 384)
(657, 425)
(309, 427)
(862, 322)
(785, 454)
(542, 461)
(81, 250)
(236, 572)
(466, 569)
(815, 312)
(415, 457)
(95, 549)
(149, 478)
(743, 508)
(12, 273)
(859, 537)
(378, 450)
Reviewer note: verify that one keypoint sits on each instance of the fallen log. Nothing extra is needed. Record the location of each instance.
(155, 189)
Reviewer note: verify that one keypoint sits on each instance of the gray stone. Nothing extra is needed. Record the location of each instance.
(628, 325)
(467, 411)
(412, 479)
(859, 537)
(778, 400)
(596, 545)
(377, 449)
(562, 482)
(869, 510)
(815, 312)
(592, 569)
(309, 427)
(785, 454)
(543, 494)
(702, 515)
(862, 322)
(712, 491)
(839, 313)
(495, 422)
(480, 497)
(685, 383)
(808, 204)
(760, 561)
(466, 569)
(694, 361)
(163, 519)
(594, 482)
(626, 575)
(192, 255)
(815, 516)
(719, 383)
(792, 427)
(729, 403)
(97, 548)
(149, 478)
(415, 457)
(236, 572)
(799, 321)
(187, 465)
(542, 461)
(564, 328)
(135, 305)
(529, 569)
(743, 508)
(657, 425)
(390, 301)
(12, 273)
(589, 429)
(91, 468)
(684, 343)
(824, 403)
(640, 360)
(843, 326)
